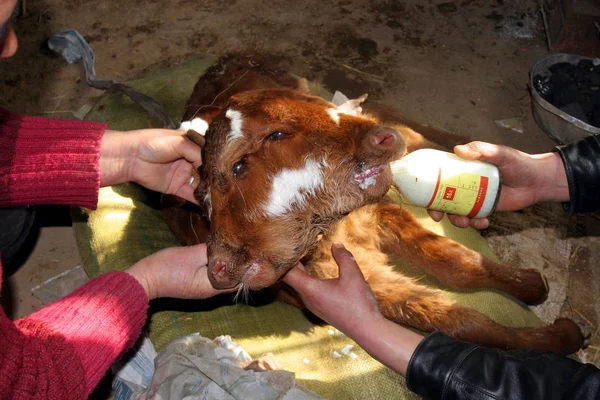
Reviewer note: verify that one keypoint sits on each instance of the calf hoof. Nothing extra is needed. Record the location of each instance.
(568, 335)
(532, 287)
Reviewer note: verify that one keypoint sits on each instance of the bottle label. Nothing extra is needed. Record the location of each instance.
(461, 194)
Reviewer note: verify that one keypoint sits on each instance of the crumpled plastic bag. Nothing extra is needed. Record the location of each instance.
(195, 367)
(348, 106)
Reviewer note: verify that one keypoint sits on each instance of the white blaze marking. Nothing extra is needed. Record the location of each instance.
(334, 113)
(197, 124)
(293, 186)
(236, 124)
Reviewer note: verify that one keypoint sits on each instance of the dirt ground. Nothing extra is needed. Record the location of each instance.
(458, 65)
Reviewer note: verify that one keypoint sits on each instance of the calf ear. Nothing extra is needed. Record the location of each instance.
(202, 192)
(195, 137)
(203, 186)
(202, 189)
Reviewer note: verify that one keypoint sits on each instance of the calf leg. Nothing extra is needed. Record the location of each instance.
(428, 310)
(403, 300)
(451, 262)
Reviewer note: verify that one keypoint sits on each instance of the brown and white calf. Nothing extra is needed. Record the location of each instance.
(285, 174)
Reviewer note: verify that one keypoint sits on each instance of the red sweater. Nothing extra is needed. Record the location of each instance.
(63, 350)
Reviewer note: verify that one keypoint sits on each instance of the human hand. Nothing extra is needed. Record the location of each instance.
(526, 179)
(8, 38)
(179, 272)
(345, 302)
(159, 159)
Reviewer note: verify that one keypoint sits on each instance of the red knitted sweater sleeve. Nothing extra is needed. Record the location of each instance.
(63, 350)
(47, 161)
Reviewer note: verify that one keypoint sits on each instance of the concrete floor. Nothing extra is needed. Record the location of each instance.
(55, 252)
(52, 250)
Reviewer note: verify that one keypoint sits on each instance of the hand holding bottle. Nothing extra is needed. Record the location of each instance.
(526, 179)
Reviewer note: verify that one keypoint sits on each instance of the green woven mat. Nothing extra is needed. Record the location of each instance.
(127, 227)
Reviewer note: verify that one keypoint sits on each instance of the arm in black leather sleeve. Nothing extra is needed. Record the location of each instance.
(444, 368)
(582, 165)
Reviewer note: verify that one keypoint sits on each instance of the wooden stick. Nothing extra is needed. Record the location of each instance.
(546, 29)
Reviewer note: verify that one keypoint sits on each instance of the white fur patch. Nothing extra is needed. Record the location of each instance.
(197, 124)
(236, 124)
(292, 187)
(334, 113)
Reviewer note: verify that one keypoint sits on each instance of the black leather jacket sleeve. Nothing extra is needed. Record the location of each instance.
(444, 368)
(582, 165)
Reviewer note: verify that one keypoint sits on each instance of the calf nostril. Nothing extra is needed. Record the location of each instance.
(220, 269)
(385, 137)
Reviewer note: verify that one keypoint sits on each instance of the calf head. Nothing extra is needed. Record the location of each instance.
(279, 167)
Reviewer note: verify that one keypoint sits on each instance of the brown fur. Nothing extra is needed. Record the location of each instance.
(248, 247)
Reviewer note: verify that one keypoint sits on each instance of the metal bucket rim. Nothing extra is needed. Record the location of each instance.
(551, 108)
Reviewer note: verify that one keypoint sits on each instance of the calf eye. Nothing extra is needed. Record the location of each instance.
(276, 135)
(238, 167)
